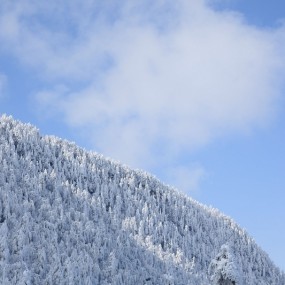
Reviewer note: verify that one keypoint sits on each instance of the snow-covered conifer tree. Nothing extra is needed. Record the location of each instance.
(69, 216)
(223, 270)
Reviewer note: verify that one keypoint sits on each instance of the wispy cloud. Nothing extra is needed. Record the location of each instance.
(186, 178)
(148, 80)
(3, 82)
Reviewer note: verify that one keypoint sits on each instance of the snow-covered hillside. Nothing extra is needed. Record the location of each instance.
(68, 216)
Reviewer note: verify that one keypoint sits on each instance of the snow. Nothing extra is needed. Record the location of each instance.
(69, 216)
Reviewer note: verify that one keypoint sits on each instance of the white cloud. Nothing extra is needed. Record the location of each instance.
(149, 80)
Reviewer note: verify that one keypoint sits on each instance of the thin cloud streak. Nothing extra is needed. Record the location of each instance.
(3, 84)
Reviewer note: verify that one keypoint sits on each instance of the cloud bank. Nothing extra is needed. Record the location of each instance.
(148, 81)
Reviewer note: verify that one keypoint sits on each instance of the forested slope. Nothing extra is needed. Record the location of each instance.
(68, 216)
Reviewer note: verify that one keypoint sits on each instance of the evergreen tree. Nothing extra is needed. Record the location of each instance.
(223, 269)
(68, 216)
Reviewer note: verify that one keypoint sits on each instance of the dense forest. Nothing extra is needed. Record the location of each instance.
(69, 216)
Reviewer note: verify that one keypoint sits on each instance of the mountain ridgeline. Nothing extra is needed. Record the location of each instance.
(69, 216)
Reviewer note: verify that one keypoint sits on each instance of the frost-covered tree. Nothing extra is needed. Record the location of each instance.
(223, 269)
(69, 216)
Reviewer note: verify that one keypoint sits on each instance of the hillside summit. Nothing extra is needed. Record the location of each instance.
(69, 216)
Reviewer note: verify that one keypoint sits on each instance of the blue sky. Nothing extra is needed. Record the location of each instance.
(191, 91)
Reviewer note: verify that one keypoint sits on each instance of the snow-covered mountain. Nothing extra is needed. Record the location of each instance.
(69, 216)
